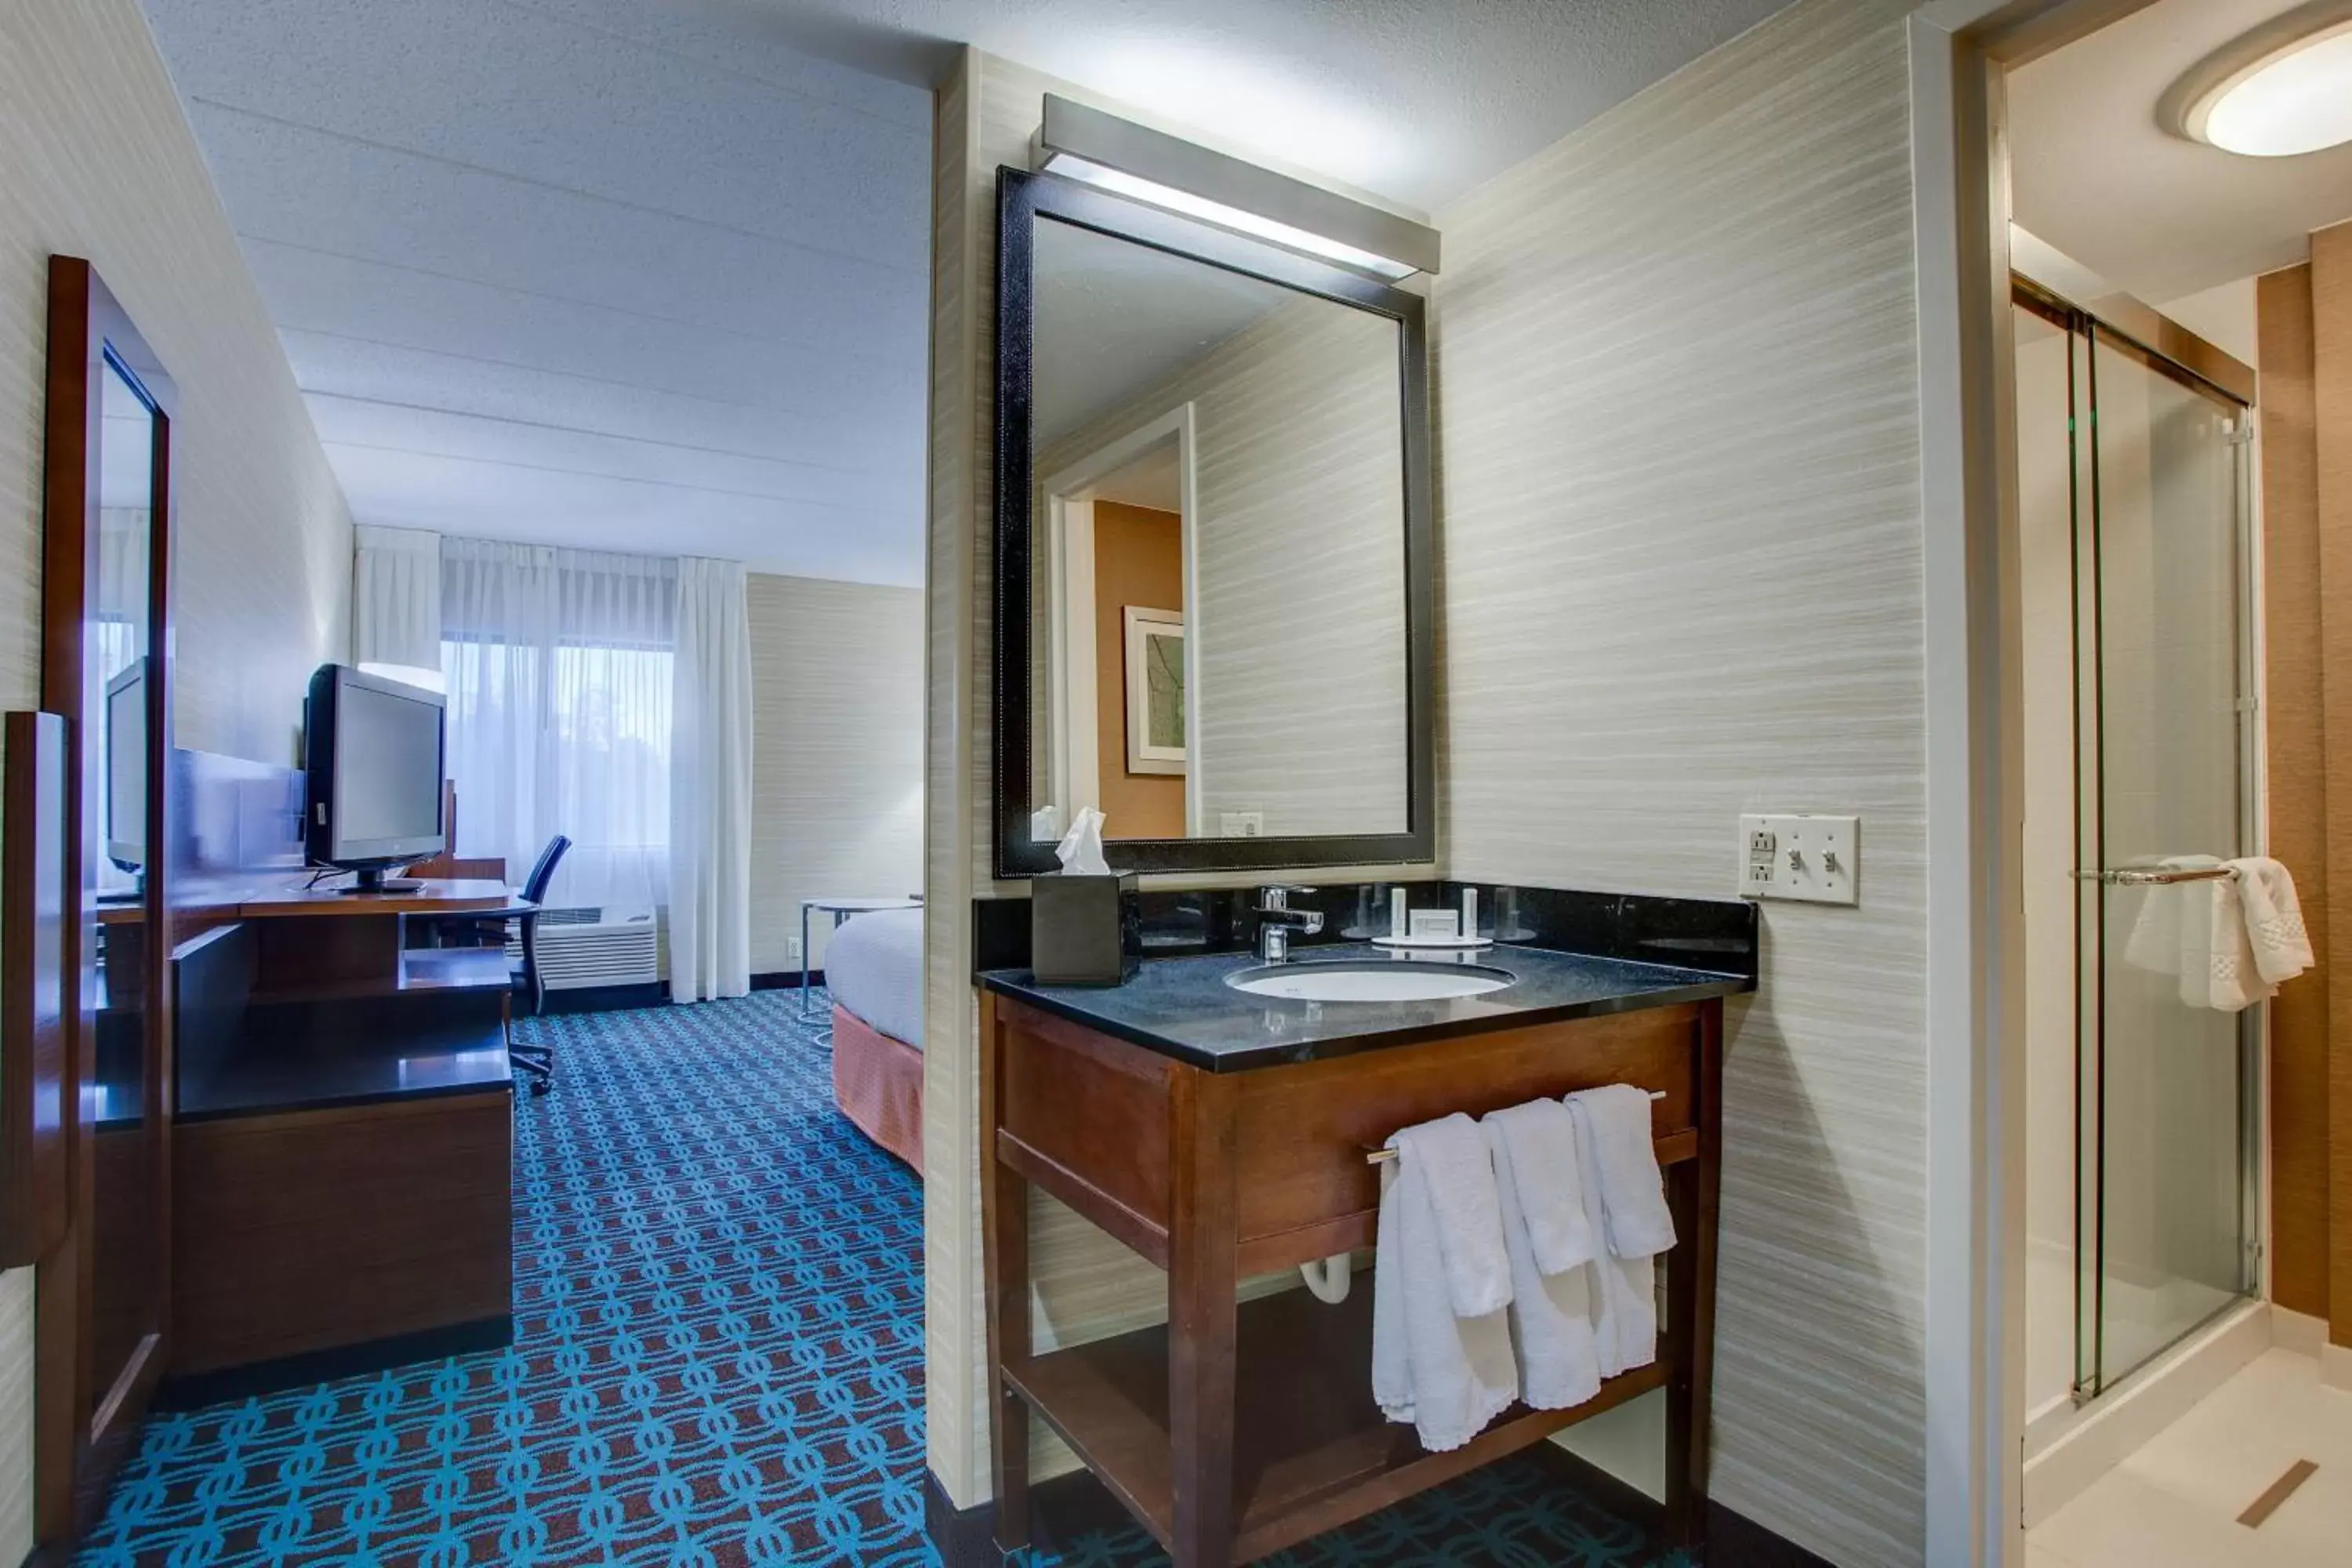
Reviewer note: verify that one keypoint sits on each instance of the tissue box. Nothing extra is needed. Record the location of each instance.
(1084, 929)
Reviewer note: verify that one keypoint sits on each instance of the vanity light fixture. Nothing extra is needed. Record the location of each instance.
(2284, 89)
(1131, 160)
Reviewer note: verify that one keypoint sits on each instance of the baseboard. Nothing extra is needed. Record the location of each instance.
(784, 979)
(1077, 1504)
(607, 998)
(2336, 1366)
(265, 1377)
(2298, 1332)
(2095, 1438)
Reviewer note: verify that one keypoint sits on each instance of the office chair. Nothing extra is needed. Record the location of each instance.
(534, 1060)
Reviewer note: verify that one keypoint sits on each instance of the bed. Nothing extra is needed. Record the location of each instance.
(873, 970)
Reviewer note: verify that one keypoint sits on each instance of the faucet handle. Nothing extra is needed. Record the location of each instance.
(1276, 895)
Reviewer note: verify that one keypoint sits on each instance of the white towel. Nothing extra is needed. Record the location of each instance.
(2160, 936)
(1551, 1311)
(1541, 1139)
(2273, 917)
(1623, 1291)
(1448, 1376)
(1459, 1173)
(1615, 1119)
(2197, 932)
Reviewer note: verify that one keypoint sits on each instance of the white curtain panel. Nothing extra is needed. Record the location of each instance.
(396, 602)
(558, 664)
(710, 786)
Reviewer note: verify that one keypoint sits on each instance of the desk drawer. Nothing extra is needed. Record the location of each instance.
(1304, 1189)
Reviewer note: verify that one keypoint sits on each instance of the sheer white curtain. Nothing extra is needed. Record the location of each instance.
(397, 602)
(710, 790)
(558, 664)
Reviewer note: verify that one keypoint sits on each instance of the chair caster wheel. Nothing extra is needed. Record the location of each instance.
(540, 1085)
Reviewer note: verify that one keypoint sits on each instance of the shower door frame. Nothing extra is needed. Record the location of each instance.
(2056, 291)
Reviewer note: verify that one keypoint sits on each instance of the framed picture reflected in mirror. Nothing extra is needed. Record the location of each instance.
(1155, 690)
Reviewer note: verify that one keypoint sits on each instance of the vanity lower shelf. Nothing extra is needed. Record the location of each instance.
(1312, 1449)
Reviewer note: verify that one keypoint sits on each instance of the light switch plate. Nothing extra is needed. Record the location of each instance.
(1810, 859)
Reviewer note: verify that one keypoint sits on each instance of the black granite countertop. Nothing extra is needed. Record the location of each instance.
(1181, 1007)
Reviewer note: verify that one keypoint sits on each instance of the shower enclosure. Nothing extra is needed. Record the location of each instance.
(2136, 490)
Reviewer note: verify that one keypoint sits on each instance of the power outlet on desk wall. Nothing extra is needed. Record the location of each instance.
(1241, 825)
(1809, 859)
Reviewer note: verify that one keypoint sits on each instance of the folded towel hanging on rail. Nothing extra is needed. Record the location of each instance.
(1551, 1309)
(1447, 1372)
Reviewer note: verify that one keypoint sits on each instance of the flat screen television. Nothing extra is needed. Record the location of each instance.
(126, 768)
(372, 765)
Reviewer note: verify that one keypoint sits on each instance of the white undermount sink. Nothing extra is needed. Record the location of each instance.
(1371, 980)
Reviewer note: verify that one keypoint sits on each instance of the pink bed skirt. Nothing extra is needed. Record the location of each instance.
(878, 1081)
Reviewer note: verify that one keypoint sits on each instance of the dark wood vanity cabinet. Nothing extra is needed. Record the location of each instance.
(1236, 1429)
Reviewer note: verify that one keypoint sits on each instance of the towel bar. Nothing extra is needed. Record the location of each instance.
(2156, 876)
(1382, 1156)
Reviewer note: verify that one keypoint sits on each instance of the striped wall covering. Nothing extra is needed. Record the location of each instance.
(1680, 563)
(96, 160)
(1680, 548)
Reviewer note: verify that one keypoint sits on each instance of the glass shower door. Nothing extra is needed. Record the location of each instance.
(2162, 727)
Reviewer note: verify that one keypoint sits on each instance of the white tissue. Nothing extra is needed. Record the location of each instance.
(1080, 850)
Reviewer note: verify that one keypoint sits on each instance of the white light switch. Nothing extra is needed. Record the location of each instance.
(1814, 860)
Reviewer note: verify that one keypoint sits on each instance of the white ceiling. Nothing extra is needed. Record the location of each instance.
(1113, 318)
(1151, 480)
(591, 272)
(2160, 218)
(652, 274)
(1415, 100)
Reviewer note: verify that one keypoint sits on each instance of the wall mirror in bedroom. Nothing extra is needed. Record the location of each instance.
(1212, 544)
(106, 554)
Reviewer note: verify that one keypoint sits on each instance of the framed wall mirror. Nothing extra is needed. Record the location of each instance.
(1213, 545)
(106, 555)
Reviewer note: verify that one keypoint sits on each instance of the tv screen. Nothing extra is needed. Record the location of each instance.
(387, 767)
(126, 767)
(374, 767)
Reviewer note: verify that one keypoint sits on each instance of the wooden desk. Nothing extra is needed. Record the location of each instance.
(342, 1155)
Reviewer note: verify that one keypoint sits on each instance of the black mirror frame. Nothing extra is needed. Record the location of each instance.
(1022, 199)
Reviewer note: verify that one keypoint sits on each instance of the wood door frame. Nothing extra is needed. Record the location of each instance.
(82, 1433)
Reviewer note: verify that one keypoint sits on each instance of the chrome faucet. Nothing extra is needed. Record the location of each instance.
(1277, 919)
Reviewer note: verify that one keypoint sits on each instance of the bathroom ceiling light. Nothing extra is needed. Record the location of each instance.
(1149, 165)
(2282, 89)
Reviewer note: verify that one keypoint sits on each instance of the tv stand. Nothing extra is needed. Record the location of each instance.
(371, 880)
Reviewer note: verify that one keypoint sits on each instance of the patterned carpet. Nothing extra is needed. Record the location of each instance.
(718, 1361)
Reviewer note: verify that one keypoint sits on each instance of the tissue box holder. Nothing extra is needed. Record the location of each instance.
(1084, 929)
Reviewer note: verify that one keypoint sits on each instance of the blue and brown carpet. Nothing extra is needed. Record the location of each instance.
(717, 1361)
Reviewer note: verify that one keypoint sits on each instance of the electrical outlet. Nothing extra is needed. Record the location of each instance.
(1810, 859)
(792, 950)
(1241, 825)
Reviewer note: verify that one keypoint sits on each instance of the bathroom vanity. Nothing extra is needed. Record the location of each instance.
(1223, 1136)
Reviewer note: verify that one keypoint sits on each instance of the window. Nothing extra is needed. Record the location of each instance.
(558, 668)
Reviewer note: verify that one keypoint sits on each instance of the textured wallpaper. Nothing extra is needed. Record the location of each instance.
(836, 752)
(96, 161)
(1680, 547)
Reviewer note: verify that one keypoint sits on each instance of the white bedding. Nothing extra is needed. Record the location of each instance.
(874, 967)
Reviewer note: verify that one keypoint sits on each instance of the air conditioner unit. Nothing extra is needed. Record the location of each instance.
(614, 945)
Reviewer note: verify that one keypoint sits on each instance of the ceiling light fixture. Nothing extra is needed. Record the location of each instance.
(1131, 160)
(2282, 89)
